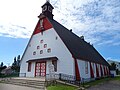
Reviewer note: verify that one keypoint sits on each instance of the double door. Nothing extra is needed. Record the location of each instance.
(40, 69)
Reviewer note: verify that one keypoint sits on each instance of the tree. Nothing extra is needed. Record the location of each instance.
(18, 60)
(16, 64)
(113, 66)
(1, 65)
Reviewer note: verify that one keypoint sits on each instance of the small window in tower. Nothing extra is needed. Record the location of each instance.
(50, 9)
(41, 41)
(44, 8)
(38, 47)
(29, 67)
(45, 45)
(41, 51)
(34, 53)
(49, 50)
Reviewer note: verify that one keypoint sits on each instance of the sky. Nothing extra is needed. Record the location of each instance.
(97, 20)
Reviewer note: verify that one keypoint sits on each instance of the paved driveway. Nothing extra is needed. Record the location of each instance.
(110, 85)
(14, 87)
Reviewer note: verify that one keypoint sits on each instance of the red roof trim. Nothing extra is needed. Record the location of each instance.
(46, 26)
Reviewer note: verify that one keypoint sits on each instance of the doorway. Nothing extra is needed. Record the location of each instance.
(40, 69)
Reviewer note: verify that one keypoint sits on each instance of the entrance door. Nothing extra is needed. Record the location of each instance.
(40, 69)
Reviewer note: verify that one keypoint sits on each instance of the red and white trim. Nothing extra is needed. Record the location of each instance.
(46, 25)
(77, 73)
(97, 71)
(91, 71)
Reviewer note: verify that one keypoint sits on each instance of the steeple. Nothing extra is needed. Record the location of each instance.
(47, 9)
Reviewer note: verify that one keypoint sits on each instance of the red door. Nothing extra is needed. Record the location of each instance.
(40, 69)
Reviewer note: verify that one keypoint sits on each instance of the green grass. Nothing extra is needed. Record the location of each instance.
(61, 87)
(92, 83)
(117, 78)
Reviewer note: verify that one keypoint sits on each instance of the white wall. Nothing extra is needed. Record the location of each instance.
(65, 63)
(94, 69)
(81, 66)
(113, 72)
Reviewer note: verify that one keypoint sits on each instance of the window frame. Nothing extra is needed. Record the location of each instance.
(41, 51)
(34, 53)
(29, 66)
(45, 45)
(49, 50)
(44, 8)
(38, 47)
(41, 41)
(49, 9)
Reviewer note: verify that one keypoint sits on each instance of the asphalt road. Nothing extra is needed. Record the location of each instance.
(110, 85)
(14, 87)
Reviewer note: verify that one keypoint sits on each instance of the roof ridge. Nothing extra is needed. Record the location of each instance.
(78, 47)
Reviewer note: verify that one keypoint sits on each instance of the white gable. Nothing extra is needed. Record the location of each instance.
(52, 41)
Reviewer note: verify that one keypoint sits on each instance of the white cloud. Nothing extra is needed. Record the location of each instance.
(97, 20)
(15, 31)
(113, 59)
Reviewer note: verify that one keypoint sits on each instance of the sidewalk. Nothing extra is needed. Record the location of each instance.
(14, 87)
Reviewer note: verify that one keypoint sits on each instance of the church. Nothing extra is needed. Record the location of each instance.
(53, 44)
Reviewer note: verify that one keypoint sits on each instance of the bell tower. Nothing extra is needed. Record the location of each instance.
(47, 9)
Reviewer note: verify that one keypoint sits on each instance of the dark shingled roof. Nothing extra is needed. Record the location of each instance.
(79, 48)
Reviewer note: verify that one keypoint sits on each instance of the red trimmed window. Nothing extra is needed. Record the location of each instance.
(49, 50)
(38, 47)
(54, 62)
(56, 37)
(41, 41)
(86, 67)
(45, 45)
(29, 67)
(34, 53)
(41, 51)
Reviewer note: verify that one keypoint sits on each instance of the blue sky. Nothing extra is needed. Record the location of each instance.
(97, 20)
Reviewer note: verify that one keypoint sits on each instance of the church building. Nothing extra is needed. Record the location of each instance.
(53, 44)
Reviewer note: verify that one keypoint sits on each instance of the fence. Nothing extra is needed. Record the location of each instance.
(13, 75)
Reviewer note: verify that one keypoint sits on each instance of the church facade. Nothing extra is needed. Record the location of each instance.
(53, 44)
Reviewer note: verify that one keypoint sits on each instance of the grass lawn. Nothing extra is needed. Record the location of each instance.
(61, 87)
(117, 78)
(92, 83)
